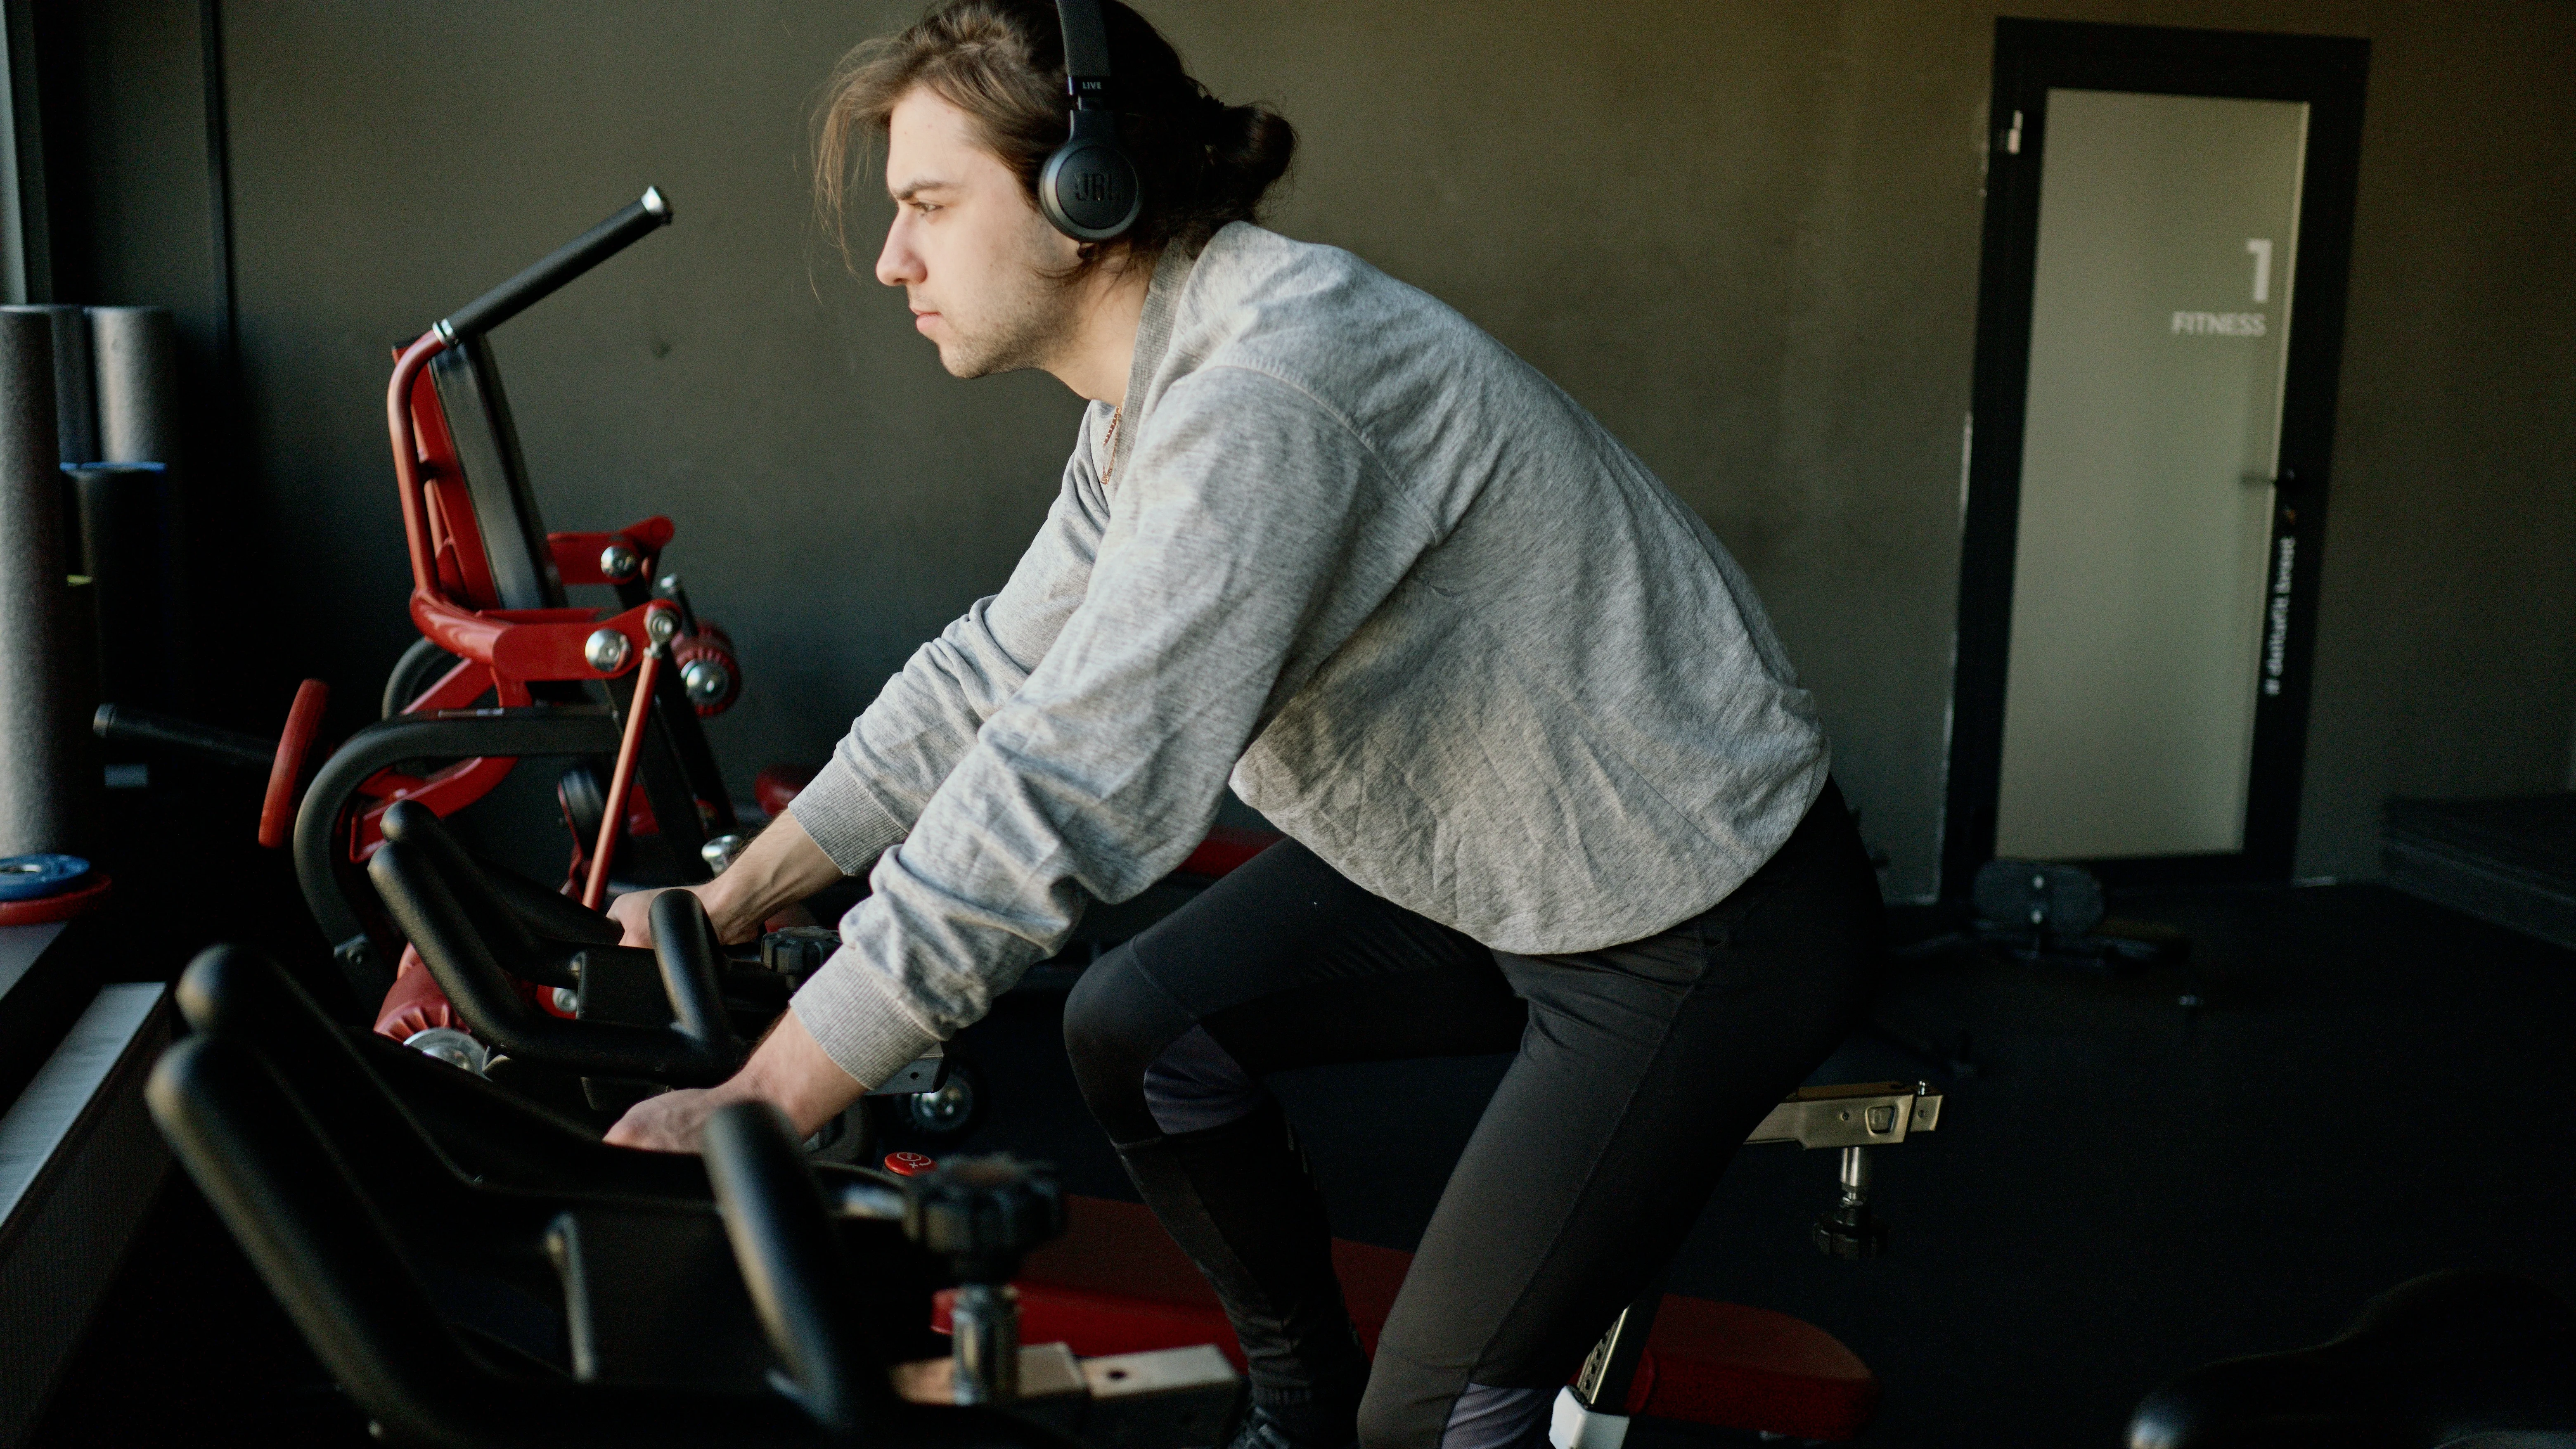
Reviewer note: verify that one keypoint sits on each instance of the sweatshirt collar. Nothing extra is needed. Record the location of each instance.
(1153, 339)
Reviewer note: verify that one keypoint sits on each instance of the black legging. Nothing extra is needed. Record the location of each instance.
(1641, 1067)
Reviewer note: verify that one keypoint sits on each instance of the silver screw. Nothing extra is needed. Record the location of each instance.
(567, 1000)
(620, 562)
(607, 651)
(706, 680)
(720, 852)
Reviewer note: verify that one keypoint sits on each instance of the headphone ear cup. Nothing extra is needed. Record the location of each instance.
(1089, 189)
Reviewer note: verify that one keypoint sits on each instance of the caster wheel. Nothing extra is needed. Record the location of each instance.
(949, 1110)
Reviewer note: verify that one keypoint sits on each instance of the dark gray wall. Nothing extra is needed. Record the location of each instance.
(1743, 233)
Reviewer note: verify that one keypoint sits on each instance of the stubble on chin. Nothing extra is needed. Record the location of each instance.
(1024, 326)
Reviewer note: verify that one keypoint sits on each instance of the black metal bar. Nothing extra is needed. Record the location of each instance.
(566, 262)
(784, 1245)
(427, 905)
(322, 867)
(125, 724)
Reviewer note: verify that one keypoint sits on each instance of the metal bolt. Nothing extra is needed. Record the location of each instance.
(720, 852)
(661, 625)
(607, 651)
(567, 1000)
(451, 1046)
(707, 681)
(620, 562)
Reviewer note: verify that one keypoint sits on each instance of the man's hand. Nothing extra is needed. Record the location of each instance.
(670, 1122)
(782, 866)
(789, 1071)
(633, 913)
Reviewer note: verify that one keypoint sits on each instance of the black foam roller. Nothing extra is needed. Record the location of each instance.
(136, 353)
(129, 547)
(47, 777)
(75, 385)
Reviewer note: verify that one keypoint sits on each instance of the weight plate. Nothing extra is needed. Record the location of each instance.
(33, 877)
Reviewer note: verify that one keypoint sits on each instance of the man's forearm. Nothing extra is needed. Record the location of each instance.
(782, 866)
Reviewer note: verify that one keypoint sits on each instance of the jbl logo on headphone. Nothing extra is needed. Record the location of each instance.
(1094, 186)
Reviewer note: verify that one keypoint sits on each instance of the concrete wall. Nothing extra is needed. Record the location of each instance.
(1745, 234)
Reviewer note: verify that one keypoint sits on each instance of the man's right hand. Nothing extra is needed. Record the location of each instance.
(633, 913)
(782, 865)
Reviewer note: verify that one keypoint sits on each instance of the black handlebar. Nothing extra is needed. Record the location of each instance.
(692, 962)
(463, 930)
(568, 261)
(128, 725)
(783, 1244)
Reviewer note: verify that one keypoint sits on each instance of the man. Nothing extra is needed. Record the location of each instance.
(1550, 784)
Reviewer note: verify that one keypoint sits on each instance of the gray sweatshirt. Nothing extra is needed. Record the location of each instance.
(1427, 614)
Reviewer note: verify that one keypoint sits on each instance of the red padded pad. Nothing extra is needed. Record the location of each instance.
(414, 1003)
(1117, 1283)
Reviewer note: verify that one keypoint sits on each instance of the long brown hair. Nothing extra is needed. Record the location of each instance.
(1201, 162)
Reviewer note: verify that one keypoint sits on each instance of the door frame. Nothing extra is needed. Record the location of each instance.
(2031, 56)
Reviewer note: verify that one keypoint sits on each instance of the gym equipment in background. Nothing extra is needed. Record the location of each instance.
(507, 1280)
(127, 544)
(505, 668)
(48, 776)
(2470, 1360)
(2044, 911)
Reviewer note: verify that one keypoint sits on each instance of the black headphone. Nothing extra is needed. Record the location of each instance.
(1089, 188)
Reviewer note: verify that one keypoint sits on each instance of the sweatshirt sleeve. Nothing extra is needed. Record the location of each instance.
(1231, 551)
(885, 770)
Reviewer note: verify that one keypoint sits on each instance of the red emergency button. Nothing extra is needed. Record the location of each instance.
(908, 1164)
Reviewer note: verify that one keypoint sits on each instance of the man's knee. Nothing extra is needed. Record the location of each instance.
(1105, 1025)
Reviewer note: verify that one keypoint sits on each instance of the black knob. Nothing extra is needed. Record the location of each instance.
(984, 1213)
(1851, 1230)
(799, 951)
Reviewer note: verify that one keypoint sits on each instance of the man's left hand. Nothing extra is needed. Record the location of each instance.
(670, 1122)
(789, 1071)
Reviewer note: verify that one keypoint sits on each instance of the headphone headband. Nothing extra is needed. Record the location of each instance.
(1086, 43)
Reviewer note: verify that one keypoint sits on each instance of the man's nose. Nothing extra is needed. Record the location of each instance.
(898, 265)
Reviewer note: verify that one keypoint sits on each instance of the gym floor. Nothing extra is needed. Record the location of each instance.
(2373, 1088)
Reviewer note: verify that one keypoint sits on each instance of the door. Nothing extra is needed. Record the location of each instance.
(2159, 323)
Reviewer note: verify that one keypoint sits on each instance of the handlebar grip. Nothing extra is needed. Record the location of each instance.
(692, 961)
(125, 724)
(286, 773)
(566, 262)
(418, 895)
(784, 1246)
(504, 935)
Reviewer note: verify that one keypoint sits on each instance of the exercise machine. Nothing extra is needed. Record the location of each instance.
(505, 1279)
(545, 1000)
(506, 669)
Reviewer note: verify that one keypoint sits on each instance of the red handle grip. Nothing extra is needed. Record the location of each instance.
(303, 722)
